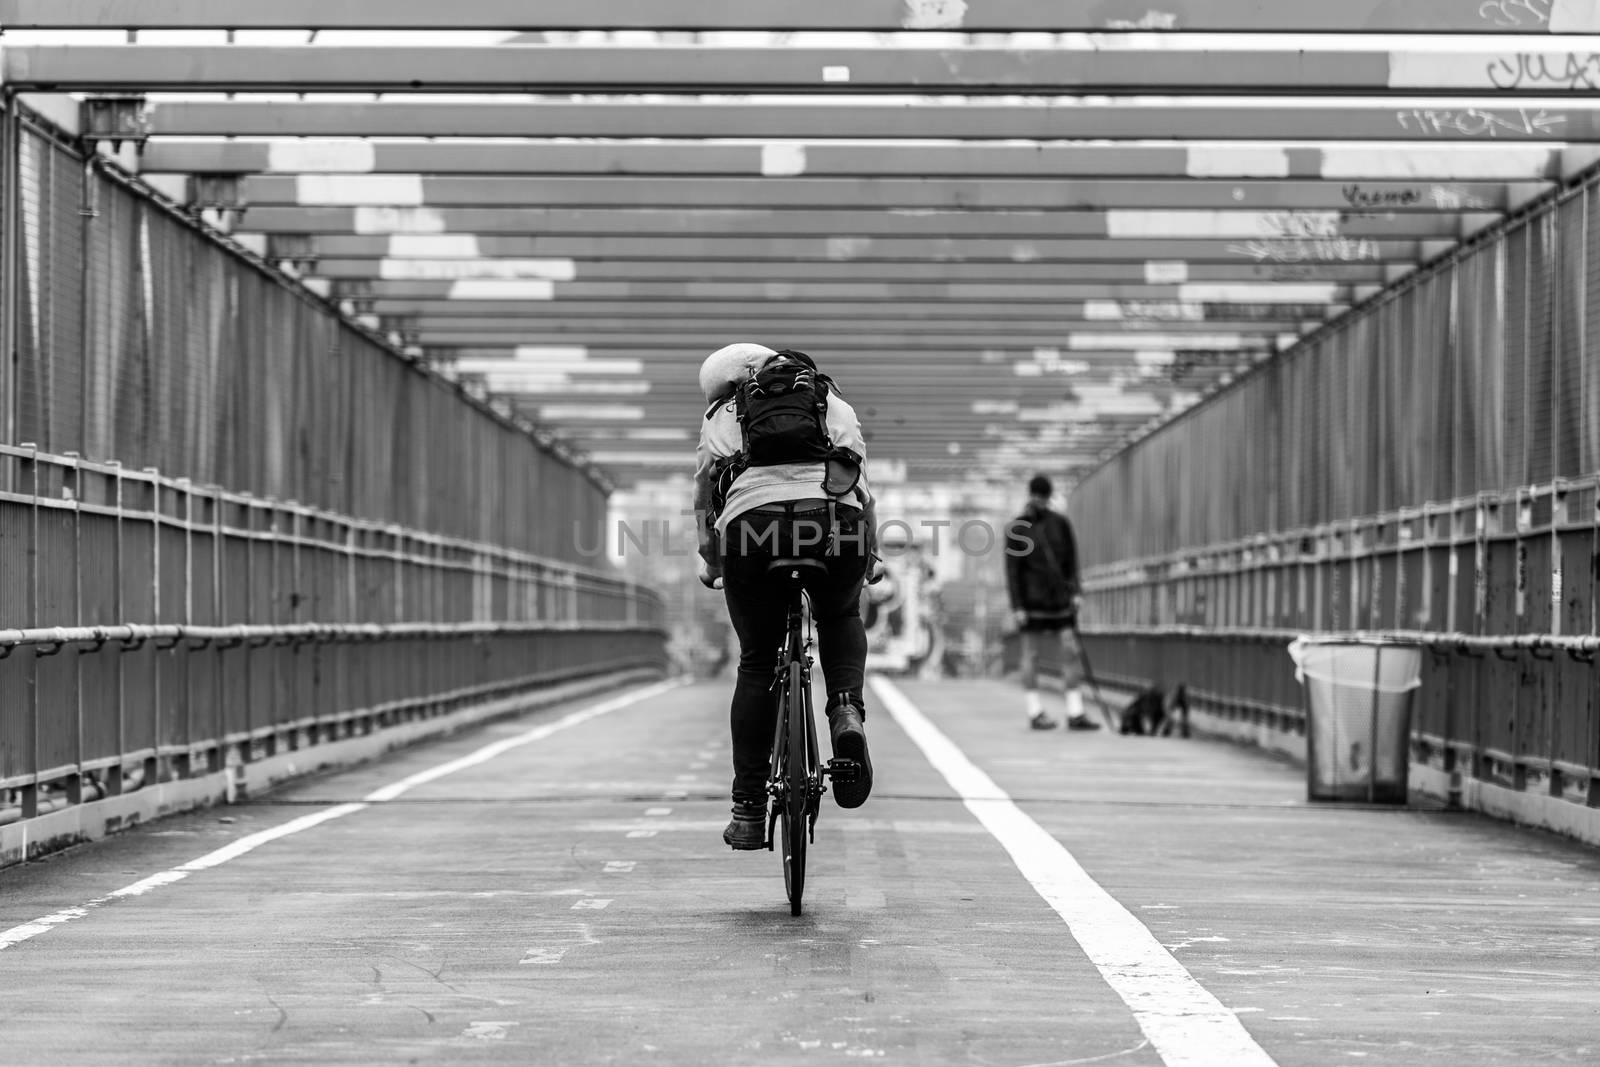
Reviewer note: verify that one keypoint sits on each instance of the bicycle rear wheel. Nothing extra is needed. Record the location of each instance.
(794, 811)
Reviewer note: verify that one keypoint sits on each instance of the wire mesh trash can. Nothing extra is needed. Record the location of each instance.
(1358, 717)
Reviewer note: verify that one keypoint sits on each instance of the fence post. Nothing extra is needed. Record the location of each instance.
(10, 215)
(30, 484)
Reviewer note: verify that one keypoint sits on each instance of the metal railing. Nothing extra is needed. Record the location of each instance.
(1500, 588)
(261, 626)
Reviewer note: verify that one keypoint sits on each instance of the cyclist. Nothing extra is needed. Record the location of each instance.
(779, 475)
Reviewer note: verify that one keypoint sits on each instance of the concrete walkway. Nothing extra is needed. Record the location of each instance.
(568, 900)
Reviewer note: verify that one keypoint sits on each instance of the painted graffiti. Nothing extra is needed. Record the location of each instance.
(1299, 223)
(1150, 20)
(1359, 197)
(1161, 311)
(1263, 312)
(1515, 14)
(1306, 250)
(1476, 122)
(1191, 364)
(1538, 70)
(1369, 203)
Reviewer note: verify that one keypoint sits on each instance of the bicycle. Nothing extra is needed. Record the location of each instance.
(795, 786)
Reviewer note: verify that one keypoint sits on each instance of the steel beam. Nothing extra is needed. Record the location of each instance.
(819, 337)
(1264, 250)
(664, 195)
(880, 316)
(975, 120)
(672, 299)
(855, 194)
(1166, 224)
(356, 258)
(1232, 16)
(972, 120)
(661, 297)
(678, 69)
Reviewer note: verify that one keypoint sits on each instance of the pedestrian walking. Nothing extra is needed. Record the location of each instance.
(1046, 596)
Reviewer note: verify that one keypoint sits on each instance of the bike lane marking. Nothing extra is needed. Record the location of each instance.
(1185, 1023)
(23, 932)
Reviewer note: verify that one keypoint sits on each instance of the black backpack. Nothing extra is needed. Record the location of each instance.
(783, 418)
(783, 412)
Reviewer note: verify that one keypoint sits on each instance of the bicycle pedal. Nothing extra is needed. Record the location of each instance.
(843, 770)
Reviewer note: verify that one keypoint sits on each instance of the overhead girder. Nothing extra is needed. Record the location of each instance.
(848, 299)
(342, 258)
(1083, 314)
(1232, 16)
(1117, 224)
(1261, 249)
(973, 121)
(468, 333)
(669, 68)
(1022, 327)
(976, 196)
(687, 356)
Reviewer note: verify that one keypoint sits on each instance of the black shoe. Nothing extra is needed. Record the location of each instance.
(1042, 721)
(1082, 722)
(747, 831)
(850, 742)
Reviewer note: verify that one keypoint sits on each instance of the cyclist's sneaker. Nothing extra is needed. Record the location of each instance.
(850, 742)
(1082, 722)
(1041, 721)
(747, 830)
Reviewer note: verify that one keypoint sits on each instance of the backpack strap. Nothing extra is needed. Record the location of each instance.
(741, 402)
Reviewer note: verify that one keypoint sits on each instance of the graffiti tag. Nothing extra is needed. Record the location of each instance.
(1306, 250)
(1555, 70)
(1476, 122)
(1515, 14)
(1150, 20)
(1299, 223)
(1356, 196)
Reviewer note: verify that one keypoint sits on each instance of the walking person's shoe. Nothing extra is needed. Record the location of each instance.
(747, 830)
(1041, 721)
(1082, 722)
(849, 740)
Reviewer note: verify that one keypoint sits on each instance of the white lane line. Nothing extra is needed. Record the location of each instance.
(538, 733)
(18, 934)
(1187, 1025)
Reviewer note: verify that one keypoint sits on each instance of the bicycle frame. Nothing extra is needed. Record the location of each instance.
(795, 782)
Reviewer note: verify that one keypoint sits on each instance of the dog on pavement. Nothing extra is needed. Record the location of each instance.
(1157, 712)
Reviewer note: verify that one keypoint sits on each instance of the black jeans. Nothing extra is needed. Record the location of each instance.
(756, 609)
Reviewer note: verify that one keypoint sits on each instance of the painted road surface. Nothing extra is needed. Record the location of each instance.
(554, 889)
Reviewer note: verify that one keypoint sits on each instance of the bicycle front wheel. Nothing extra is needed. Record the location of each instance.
(797, 789)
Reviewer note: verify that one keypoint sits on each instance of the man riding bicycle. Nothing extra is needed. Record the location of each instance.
(779, 475)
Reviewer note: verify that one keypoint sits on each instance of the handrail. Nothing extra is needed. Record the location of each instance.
(12, 639)
(1574, 644)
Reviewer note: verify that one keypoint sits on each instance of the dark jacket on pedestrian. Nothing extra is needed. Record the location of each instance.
(1042, 563)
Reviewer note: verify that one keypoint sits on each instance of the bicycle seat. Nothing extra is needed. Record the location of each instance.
(797, 566)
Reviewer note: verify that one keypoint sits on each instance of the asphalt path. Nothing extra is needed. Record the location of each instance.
(554, 889)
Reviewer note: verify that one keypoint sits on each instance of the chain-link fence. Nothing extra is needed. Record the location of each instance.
(1479, 374)
(233, 524)
(142, 339)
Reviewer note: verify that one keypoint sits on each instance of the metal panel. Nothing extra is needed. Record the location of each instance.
(1234, 16)
(974, 220)
(189, 359)
(144, 68)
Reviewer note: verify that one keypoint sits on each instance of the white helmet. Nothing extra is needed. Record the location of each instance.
(728, 366)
